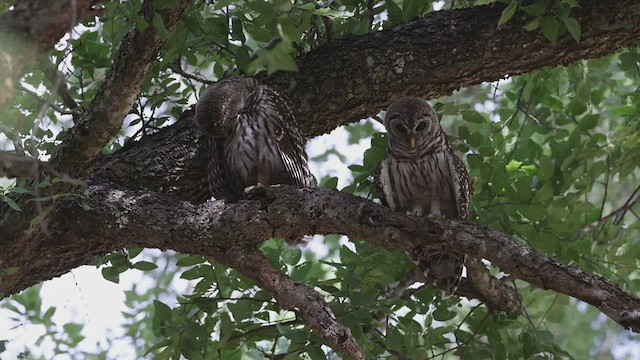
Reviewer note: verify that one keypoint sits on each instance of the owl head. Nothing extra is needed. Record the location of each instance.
(412, 127)
(218, 106)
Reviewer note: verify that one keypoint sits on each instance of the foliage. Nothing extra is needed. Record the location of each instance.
(550, 152)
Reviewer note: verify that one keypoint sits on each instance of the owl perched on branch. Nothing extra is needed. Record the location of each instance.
(421, 176)
(253, 138)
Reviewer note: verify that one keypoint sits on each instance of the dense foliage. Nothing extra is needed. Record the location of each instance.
(554, 155)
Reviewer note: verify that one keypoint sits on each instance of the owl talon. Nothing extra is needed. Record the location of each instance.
(254, 191)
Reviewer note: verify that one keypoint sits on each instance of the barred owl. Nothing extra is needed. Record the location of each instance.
(253, 138)
(421, 176)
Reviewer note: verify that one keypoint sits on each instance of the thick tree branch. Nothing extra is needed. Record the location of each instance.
(121, 217)
(355, 77)
(31, 28)
(103, 118)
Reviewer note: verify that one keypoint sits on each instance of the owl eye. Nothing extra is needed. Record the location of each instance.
(421, 126)
(400, 128)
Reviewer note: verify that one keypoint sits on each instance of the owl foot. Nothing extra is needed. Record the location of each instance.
(435, 217)
(415, 213)
(254, 191)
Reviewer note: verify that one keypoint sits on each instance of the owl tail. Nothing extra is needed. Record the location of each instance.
(442, 269)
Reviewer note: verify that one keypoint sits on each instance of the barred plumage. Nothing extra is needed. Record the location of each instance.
(254, 138)
(421, 176)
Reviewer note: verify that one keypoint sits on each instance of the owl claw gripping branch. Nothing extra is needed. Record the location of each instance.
(422, 176)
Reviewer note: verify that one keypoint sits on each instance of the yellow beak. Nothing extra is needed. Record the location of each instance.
(413, 143)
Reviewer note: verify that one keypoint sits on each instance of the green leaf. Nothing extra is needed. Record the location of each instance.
(534, 24)
(158, 25)
(589, 121)
(162, 310)
(546, 170)
(163, 4)
(625, 110)
(190, 260)
(508, 12)
(442, 313)
(12, 204)
(110, 273)
(223, 3)
(158, 345)
(574, 28)
(316, 353)
(145, 266)
(550, 28)
(330, 182)
(629, 60)
(394, 11)
(40, 217)
(473, 116)
(536, 9)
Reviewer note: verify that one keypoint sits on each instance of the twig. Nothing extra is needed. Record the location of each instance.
(47, 103)
(178, 70)
(53, 75)
(15, 138)
(621, 210)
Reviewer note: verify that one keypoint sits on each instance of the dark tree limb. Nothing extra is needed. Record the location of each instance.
(119, 217)
(355, 77)
(103, 118)
(292, 295)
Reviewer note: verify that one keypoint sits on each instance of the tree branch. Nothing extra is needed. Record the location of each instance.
(351, 78)
(31, 28)
(121, 217)
(292, 295)
(15, 166)
(103, 118)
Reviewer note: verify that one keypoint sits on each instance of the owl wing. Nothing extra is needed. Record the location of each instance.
(381, 181)
(460, 177)
(223, 184)
(289, 139)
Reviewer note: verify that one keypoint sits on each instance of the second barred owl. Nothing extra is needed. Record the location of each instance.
(422, 176)
(253, 138)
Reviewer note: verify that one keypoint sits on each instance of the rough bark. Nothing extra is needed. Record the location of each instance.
(355, 77)
(119, 217)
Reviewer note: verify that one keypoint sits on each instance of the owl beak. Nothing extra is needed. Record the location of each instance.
(413, 143)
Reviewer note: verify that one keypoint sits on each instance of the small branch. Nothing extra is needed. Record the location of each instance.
(54, 76)
(178, 70)
(14, 166)
(15, 138)
(494, 292)
(292, 295)
(631, 202)
(48, 104)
